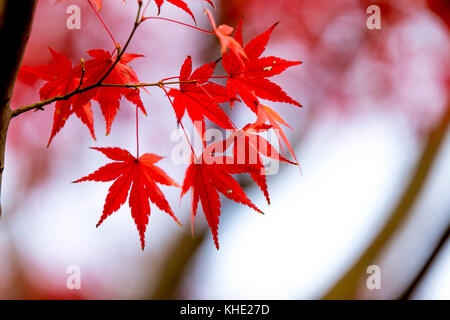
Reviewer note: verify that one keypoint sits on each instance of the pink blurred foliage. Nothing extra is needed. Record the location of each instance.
(31, 282)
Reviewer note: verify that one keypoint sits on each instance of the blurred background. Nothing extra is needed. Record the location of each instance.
(372, 139)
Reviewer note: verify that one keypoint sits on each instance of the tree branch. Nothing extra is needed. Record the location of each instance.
(16, 18)
(425, 268)
(170, 278)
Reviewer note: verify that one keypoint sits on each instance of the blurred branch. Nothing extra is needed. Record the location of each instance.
(180, 256)
(172, 274)
(408, 293)
(347, 286)
(16, 18)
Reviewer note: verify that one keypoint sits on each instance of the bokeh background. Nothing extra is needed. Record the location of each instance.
(372, 139)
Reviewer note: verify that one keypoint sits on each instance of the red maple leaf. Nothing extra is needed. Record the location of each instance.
(200, 98)
(249, 80)
(139, 174)
(109, 97)
(223, 33)
(62, 78)
(180, 4)
(208, 176)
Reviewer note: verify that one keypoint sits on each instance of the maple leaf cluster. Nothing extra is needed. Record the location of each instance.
(138, 174)
(63, 78)
(105, 78)
(247, 79)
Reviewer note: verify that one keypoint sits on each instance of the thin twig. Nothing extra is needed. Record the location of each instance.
(121, 52)
(102, 22)
(83, 73)
(426, 267)
(180, 23)
(39, 105)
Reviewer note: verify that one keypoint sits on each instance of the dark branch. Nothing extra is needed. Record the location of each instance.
(16, 18)
(407, 294)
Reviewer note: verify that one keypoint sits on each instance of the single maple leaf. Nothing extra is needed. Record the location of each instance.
(227, 43)
(199, 97)
(180, 4)
(62, 78)
(206, 178)
(109, 97)
(138, 174)
(250, 81)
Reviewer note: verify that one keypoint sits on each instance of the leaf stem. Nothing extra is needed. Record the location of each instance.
(103, 22)
(178, 22)
(137, 133)
(180, 122)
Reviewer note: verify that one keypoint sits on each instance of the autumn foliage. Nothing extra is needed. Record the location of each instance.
(105, 77)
